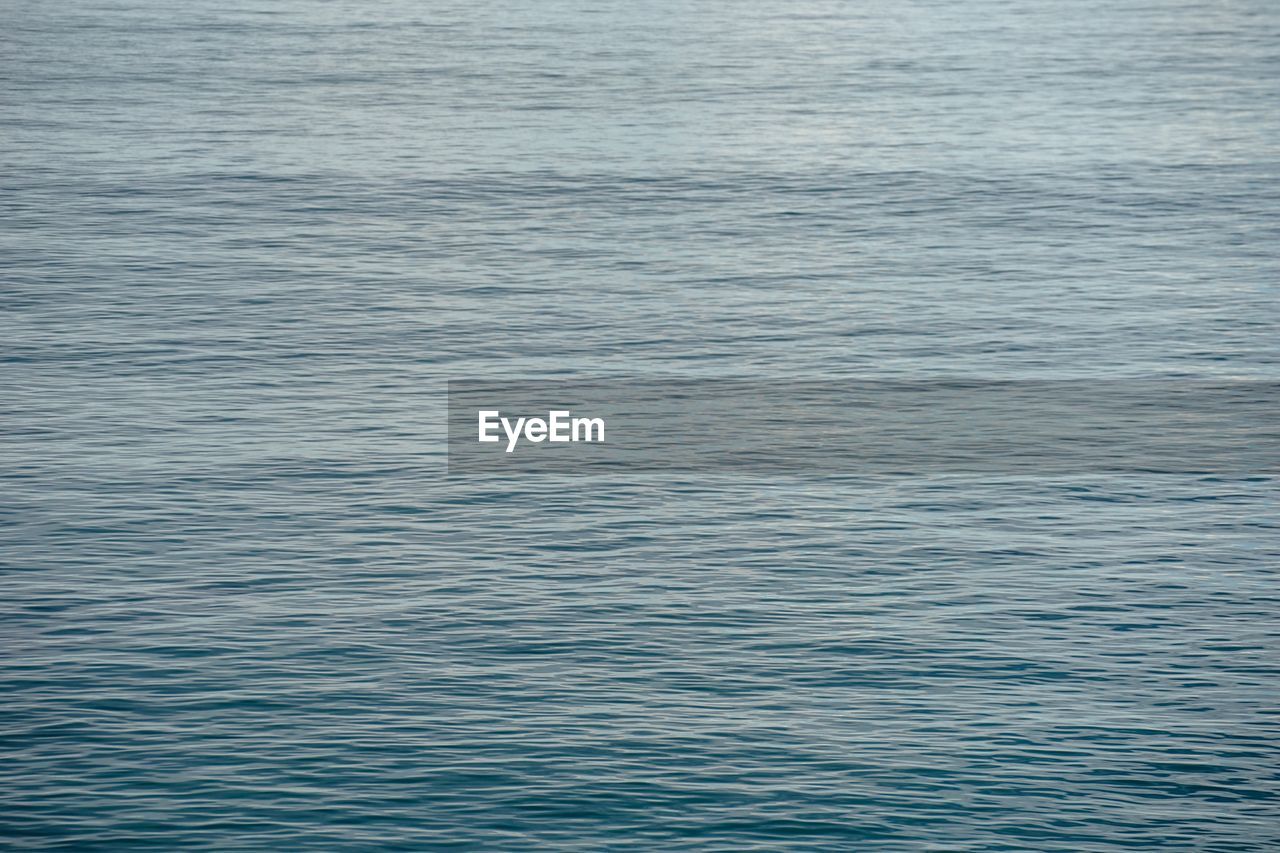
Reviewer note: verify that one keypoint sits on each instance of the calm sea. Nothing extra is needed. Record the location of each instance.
(244, 245)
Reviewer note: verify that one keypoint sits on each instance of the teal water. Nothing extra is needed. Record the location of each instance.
(246, 244)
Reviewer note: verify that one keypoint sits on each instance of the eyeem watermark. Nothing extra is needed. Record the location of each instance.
(865, 427)
(559, 426)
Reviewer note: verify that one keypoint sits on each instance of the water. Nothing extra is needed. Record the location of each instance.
(246, 244)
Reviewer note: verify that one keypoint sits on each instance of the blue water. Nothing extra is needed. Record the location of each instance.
(245, 244)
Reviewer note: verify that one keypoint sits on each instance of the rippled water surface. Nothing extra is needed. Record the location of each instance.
(245, 244)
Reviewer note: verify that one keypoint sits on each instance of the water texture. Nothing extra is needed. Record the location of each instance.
(246, 244)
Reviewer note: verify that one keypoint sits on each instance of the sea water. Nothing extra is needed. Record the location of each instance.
(246, 244)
